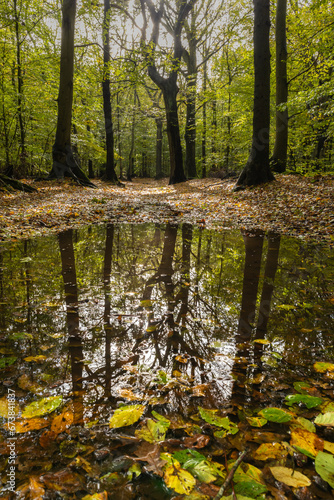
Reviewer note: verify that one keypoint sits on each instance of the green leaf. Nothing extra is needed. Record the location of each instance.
(251, 489)
(301, 387)
(324, 465)
(248, 481)
(303, 423)
(146, 303)
(256, 421)
(153, 432)
(327, 419)
(275, 415)
(202, 470)
(160, 417)
(42, 407)
(211, 417)
(308, 401)
(7, 361)
(126, 415)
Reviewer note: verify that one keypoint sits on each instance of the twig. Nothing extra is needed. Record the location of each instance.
(230, 475)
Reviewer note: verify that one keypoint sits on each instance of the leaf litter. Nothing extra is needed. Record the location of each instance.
(294, 205)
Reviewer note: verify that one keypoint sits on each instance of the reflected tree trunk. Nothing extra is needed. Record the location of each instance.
(274, 241)
(253, 254)
(65, 239)
(107, 305)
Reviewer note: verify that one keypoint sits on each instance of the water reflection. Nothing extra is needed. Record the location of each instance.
(169, 316)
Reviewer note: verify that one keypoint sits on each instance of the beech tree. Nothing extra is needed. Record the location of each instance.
(168, 85)
(257, 169)
(64, 162)
(110, 173)
(279, 157)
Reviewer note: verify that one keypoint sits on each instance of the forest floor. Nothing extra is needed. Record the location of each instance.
(293, 205)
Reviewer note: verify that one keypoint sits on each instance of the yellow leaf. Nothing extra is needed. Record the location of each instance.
(128, 394)
(290, 477)
(270, 450)
(38, 359)
(329, 446)
(14, 408)
(306, 442)
(179, 479)
(97, 496)
(126, 415)
(30, 424)
(182, 359)
(61, 422)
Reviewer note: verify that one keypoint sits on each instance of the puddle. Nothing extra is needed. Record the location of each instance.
(168, 318)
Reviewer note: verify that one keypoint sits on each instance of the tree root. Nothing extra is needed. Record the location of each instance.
(8, 184)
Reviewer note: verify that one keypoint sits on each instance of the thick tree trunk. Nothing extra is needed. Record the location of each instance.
(253, 255)
(20, 96)
(170, 90)
(257, 170)
(110, 173)
(64, 163)
(279, 157)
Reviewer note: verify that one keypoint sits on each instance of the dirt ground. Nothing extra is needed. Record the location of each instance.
(291, 205)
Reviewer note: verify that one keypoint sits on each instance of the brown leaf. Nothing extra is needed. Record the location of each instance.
(150, 453)
(64, 481)
(47, 439)
(197, 441)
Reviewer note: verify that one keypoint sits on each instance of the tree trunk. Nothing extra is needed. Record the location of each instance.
(129, 172)
(158, 149)
(257, 170)
(110, 173)
(190, 131)
(253, 255)
(169, 89)
(23, 153)
(65, 239)
(279, 157)
(63, 160)
(204, 172)
(119, 137)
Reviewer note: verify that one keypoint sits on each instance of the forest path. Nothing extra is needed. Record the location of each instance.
(291, 204)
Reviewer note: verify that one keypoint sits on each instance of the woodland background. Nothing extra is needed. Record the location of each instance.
(218, 37)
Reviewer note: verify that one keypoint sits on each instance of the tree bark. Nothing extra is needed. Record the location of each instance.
(169, 91)
(110, 173)
(204, 166)
(23, 153)
(191, 81)
(64, 163)
(279, 157)
(257, 170)
(168, 85)
(158, 149)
